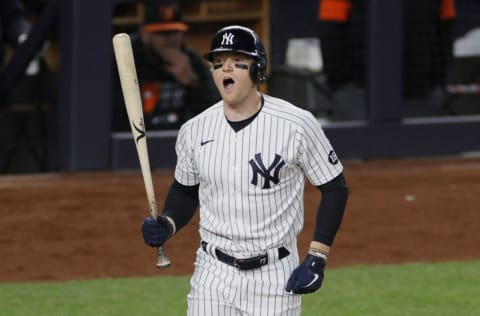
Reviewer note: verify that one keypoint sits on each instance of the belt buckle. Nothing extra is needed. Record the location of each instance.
(251, 263)
(235, 263)
(241, 264)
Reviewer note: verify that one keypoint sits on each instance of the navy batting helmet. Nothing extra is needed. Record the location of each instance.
(245, 41)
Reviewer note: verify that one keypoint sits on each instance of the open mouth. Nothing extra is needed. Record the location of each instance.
(228, 83)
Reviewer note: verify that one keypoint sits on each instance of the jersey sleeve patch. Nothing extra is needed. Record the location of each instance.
(332, 157)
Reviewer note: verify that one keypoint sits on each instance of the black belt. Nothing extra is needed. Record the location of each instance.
(247, 263)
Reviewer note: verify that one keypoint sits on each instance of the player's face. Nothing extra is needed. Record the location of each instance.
(231, 73)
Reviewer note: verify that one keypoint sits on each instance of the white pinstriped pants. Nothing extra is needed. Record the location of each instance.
(218, 289)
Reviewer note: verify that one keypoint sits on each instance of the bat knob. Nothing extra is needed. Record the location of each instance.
(162, 259)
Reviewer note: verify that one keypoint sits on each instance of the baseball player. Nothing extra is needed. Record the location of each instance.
(244, 160)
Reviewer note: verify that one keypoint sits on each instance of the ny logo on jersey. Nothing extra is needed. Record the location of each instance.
(227, 39)
(258, 168)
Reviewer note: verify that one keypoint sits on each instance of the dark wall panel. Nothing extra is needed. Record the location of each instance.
(290, 19)
(84, 109)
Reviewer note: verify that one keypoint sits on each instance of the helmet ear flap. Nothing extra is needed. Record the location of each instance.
(258, 70)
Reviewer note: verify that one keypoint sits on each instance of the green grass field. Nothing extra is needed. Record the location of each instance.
(411, 289)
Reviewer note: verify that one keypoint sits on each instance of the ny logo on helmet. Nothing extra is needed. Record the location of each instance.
(258, 168)
(227, 39)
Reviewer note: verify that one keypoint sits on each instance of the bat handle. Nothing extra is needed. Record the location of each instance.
(162, 259)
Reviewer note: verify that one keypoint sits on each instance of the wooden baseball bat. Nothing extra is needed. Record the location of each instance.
(122, 46)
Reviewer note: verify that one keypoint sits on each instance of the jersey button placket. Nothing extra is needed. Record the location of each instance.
(233, 163)
(238, 185)
(231, 186)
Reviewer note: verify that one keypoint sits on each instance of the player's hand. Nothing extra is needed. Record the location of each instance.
(156, 232)
(308, 276)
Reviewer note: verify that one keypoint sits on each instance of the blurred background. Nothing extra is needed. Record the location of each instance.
(386, 78)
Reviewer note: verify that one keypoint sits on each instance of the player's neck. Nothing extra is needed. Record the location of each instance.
(245, 109)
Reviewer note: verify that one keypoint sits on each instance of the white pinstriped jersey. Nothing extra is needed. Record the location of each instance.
(252, 181)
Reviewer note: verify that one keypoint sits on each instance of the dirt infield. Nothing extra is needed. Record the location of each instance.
(87, 225)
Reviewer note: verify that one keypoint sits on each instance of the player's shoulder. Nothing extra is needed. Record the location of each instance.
(282, 109)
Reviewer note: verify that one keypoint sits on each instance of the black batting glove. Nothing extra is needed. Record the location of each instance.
(308, 276)
(156, 232)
